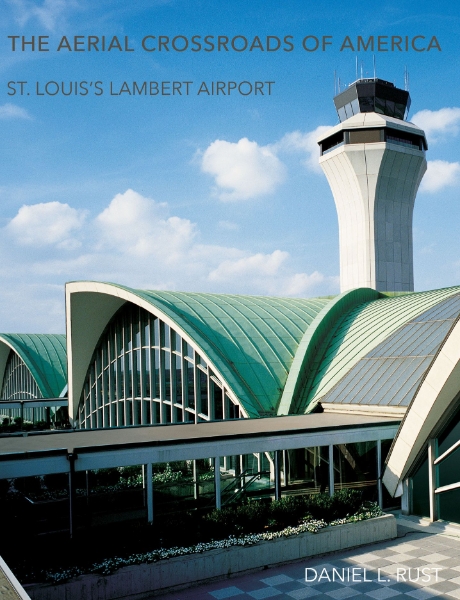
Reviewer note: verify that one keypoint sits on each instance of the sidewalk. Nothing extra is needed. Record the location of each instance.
(391, 569)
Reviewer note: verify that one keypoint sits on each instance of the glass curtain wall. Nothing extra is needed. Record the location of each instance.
(144, 373)
(355, 466)
(447, 473)
(19, 384)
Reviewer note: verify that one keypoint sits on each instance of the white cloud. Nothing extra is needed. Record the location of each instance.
(228, 225)
(141, 227)
(46, 224)
(11, 111)
(438, 123)
(440, 174)
(268, 274)
(305, 142)
(257, 265)
(49, 13)
(136, 242)
(242, 170)
(301, 283)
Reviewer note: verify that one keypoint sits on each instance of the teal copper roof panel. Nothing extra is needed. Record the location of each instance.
(390, 373)
(251, 339)
(45, 356)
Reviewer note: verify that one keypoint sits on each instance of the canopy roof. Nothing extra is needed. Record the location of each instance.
(251, 340)
(284, 355)
(43, 354)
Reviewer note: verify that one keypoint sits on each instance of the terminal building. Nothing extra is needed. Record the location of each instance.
(280, 395)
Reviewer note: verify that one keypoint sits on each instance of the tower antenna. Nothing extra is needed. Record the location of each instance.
(335, 82)
(361, 69)
(356, 68)
(373, 58)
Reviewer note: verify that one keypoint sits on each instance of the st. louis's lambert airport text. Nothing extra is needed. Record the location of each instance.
(140, 88)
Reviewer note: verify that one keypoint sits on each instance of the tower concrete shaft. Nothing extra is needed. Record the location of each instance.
(374, 164)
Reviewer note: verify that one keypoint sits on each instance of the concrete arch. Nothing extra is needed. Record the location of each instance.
(435, 395)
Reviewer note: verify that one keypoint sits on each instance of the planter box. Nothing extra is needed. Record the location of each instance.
(143, 581)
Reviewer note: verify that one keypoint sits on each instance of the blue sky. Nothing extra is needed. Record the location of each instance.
(197, 192)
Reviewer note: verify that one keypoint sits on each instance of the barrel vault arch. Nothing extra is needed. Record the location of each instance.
(251, 367)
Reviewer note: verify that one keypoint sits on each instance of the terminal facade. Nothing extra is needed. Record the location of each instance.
(373, 374)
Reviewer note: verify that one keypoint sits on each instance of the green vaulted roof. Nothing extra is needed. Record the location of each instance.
(252, 340)
(44, 356)
(286, 355)
(391, 327)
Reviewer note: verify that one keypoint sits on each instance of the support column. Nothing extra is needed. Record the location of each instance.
(71, 457)
(406, 497)
(285, 479)
(259, 462)
(331, 469)
(277, 474)
(238, 471)
(87, 489)
(379, 473)
(432, 478)
(148, 485)
(196, 485)
(217, 482)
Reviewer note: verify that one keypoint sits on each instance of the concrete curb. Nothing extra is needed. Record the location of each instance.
(146, 580)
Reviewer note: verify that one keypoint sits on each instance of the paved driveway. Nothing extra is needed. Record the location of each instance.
(423, 562)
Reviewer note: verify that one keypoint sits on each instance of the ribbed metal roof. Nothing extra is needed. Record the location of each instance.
(390, 374)
(252, 340)
(45, 356)
(383, 332)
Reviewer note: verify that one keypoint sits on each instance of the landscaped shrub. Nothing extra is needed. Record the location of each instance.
(130, 472)
(250, 517)
(255, 516)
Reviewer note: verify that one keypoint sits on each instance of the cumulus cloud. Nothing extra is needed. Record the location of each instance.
(242, 170)
(137, 242)
(440, 174)
(11, 111)
(305, 142)
(438, 123)
(269, 274)
(46, 224)
(141, 227)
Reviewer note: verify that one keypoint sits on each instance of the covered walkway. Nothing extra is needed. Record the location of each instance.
(83, 450)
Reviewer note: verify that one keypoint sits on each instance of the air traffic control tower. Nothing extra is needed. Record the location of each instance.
(374, 161)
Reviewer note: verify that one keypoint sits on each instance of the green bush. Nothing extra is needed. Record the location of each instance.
(254, 517)
(131, 471)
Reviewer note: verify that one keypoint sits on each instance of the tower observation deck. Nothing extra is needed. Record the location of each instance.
(374, 161)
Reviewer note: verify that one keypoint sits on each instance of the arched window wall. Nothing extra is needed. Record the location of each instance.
(144, 373)
(19, 384)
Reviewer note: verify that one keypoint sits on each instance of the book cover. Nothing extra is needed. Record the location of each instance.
(172, 145)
